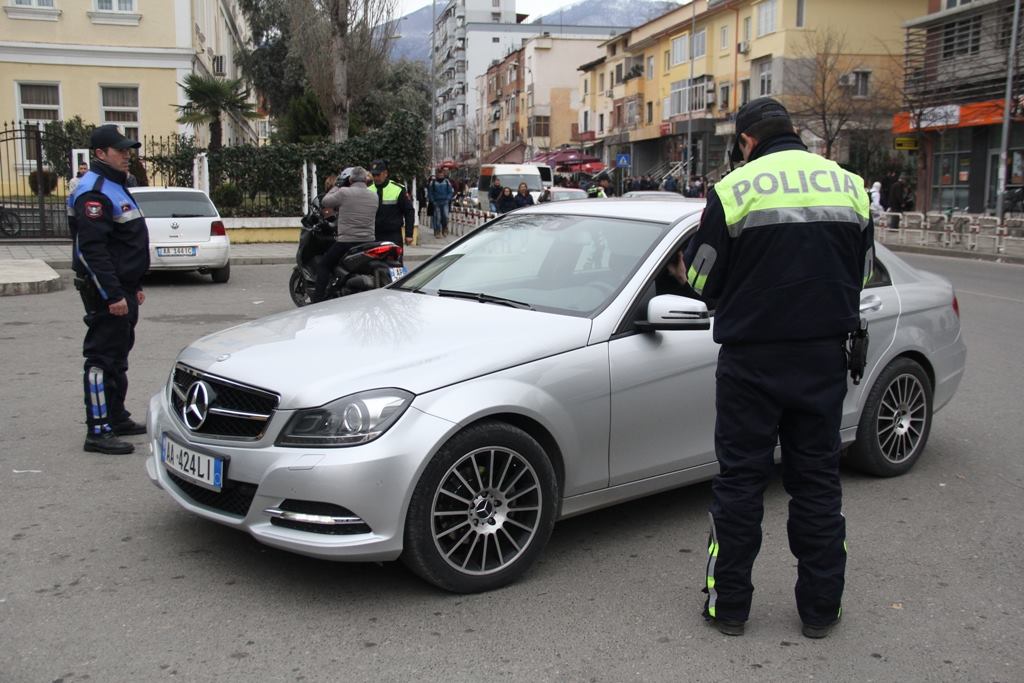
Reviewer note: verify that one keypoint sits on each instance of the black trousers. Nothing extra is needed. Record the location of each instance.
(108, 340)
(326, 265)
(791, 393)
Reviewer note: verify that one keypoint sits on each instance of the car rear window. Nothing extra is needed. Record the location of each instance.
(173, 204)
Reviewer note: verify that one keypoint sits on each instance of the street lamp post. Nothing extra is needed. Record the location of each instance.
(689, 99)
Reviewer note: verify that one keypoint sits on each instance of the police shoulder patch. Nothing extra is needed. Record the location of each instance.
(93, 210)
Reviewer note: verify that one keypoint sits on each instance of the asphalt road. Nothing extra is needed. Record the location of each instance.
(103, 578)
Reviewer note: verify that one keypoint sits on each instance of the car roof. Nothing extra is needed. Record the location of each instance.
(663, 211)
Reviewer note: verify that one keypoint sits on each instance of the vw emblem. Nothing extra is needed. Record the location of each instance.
(197, 405)
(175, 226)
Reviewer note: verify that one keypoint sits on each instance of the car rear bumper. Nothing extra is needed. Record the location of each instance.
(213, 254)
(374, 481)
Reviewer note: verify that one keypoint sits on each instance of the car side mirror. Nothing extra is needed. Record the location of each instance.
(671, 312)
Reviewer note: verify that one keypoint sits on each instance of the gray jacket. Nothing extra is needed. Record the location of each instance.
(357, 211)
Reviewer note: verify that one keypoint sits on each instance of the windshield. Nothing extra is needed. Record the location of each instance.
(512, 180)
(558, 263)
(175, 204)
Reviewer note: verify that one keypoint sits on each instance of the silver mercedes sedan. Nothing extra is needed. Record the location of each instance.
(543, 366)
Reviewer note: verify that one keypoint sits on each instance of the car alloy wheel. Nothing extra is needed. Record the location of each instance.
(895, 421)
(482, 511)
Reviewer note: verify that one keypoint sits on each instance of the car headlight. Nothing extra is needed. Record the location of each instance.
(348, 421)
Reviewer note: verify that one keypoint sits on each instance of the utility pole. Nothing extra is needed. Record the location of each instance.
(689, 98)
(433, 86)
(1005, 144)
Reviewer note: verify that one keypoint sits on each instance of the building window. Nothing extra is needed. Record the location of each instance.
(650, 67)
(678, 97)
(115, 5)
(746, 29)
(668, 60)
(600, 123)
(496, 17)
(540, 126)
(618, 73)
(763, 72)
(800, 13)
(495, 3)
(723, 38)
(700, 44)
(952, 170)
(766, 12)
(495, 39)
(961, 37)
(600, 82)
(586, 120)
(586, 86)
(744, 92)
(39, 104)
(33, 3)
(37, 10)
(121, 107)
(680, 50)
(861, 87)
(723, 96)
(950, 4)
(650, 112)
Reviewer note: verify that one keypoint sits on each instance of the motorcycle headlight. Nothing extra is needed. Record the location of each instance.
(348, 421)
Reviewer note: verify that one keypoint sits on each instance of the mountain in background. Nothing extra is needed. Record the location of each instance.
(414, 28)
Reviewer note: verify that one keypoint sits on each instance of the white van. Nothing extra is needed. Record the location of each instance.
(511, 175)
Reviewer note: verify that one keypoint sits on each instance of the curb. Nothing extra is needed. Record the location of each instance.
(955, 253)
(65, 264)
(36, 277)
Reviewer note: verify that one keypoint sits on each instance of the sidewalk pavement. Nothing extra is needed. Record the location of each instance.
(30, 267)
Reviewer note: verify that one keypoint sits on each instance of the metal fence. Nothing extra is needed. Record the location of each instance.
(32, 196)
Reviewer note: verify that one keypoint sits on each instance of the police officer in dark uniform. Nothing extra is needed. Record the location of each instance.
(110, 256)
(395, 206)
(784, 247)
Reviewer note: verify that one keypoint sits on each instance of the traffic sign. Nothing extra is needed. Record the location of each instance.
(622, 161)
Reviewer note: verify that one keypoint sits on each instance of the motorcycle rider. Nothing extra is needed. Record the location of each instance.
(356, 206)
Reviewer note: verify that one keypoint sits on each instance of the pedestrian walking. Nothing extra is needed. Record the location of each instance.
(523, 196)
(506, 201)
(784, 247)
(441, 193)
(110, 255)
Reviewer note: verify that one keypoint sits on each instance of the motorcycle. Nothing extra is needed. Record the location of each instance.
(370, 265)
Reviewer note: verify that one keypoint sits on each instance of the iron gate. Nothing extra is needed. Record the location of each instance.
(32, 196)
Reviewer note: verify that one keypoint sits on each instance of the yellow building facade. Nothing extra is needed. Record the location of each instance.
(685, 74)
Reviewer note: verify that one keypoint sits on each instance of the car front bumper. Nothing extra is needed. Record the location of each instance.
(212, 254)
(374, 481)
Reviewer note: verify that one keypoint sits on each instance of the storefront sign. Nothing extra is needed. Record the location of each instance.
(906, 144)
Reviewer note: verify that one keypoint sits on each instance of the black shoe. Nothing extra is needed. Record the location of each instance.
(128, 428)
(817, 632)
(107, 443)
(726, 627)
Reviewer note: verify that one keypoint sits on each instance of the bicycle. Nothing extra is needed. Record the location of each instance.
(10, 222)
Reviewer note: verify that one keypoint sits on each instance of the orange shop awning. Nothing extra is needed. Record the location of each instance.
(986, 113)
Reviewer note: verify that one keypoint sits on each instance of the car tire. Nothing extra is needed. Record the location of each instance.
(221, 275)
(297, 289)
(482, 510)
(895, 422)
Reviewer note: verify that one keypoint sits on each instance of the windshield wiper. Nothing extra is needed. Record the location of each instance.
(484, 298)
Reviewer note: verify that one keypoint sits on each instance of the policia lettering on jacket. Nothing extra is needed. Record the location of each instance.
(784, 248)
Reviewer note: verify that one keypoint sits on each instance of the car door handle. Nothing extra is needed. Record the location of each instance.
(870, 303)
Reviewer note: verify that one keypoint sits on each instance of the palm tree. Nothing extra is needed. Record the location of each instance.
(208, 98)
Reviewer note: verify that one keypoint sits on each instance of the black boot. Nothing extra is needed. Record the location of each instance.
(128, 428)
(107, 443)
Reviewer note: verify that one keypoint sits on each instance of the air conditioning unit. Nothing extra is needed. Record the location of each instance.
(609, 93)
(743, 47)
(847, 81)
(218, 65)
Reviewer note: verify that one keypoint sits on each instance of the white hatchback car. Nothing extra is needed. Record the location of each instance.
(185, 231)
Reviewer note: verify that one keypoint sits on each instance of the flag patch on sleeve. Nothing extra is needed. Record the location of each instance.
(93, 210)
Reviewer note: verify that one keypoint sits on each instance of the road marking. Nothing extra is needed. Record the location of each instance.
(991, 296)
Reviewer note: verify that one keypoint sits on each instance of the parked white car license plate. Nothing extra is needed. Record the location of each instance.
(398, 272)
(176, 251)
(205, 470)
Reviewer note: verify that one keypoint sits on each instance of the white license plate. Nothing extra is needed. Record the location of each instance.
(398, 272)
(205, 470)
(176, 251)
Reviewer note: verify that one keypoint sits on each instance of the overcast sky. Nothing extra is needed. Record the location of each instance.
(535, 8)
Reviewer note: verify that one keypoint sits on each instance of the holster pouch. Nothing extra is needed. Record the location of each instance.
(91, 298)
(857, 351)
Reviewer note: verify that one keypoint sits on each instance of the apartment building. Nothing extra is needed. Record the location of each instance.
(957, 56)
(666, 92)
(529, 100)
(115, 61)
(469, 36)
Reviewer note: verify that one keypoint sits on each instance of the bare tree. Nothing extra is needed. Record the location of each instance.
(823, 99)
(343, 45)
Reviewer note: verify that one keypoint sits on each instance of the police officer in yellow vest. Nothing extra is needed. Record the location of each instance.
(395, 206)
(784, 248)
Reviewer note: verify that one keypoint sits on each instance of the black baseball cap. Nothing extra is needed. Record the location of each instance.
(753, 113)
(378, 166)
(109, 136)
